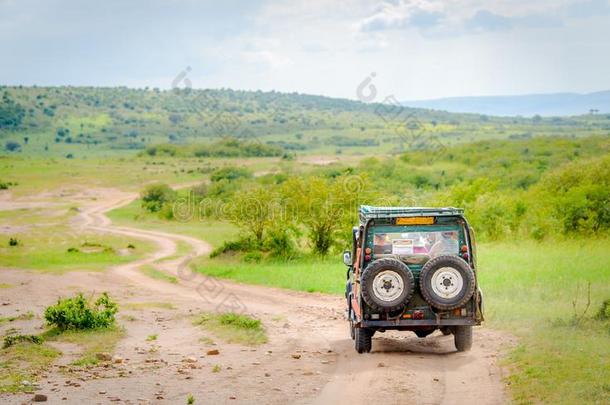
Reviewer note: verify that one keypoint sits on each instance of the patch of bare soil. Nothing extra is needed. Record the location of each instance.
(309, 357)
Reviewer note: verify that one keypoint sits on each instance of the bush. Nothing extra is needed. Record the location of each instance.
(230, 173)
(156, 195)
(253, 257)
(13, 242)
(279, 243)
(240, 245)
(80, 313)
(12, 146)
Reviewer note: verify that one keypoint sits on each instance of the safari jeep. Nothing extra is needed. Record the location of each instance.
(412, 269)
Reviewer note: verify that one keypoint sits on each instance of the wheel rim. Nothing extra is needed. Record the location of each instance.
(388, 286)
(447, 282)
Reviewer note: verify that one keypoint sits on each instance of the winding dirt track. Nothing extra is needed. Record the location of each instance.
(309, 357)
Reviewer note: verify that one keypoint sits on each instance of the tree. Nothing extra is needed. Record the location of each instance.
(11, 113)
(323, 206)
(256, 210)
(12, 146)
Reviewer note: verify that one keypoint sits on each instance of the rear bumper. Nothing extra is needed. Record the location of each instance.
(399, 323)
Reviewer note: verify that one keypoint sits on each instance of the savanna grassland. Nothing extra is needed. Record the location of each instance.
(272, 181)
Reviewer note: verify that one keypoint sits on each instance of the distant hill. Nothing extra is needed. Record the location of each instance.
(89, 121)
(559, 104)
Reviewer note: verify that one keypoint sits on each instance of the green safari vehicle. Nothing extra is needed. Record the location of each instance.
(412, 269)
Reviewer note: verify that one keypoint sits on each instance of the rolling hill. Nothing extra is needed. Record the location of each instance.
(559, 104)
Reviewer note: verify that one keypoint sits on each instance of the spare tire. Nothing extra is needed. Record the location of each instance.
(446, 282)
(387, 284)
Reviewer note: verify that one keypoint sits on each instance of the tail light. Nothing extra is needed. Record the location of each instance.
(418, 314)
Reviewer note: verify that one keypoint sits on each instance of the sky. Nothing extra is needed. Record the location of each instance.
(356, 49)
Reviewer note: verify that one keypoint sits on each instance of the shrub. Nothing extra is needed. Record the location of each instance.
(156, 195)
(199, 191)
(80, 313)
(279, 243)
(12, 146)
(240, 245)
(13, 242)
(230, 173)
(253, 257)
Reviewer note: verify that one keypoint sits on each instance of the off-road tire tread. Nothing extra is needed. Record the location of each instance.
(462, 336)
(369, 275)
(364, 340)
(456, 262)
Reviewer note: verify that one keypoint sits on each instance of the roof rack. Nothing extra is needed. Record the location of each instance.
(369, 212)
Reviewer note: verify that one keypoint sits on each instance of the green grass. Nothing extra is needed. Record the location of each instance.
(212, 231)
(530, 289)
(233, 328)
(157, 274)
(62, 252)
(23, 362)
(92, 342)
(325, 275)
(48, 243)
(21, 317)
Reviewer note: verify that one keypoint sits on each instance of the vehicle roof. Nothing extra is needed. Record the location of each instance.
(369, 212)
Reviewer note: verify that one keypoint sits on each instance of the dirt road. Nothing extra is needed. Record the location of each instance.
(309, 357)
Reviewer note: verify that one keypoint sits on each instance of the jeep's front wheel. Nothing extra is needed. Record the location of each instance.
(364, 340)
(462, 336)
(387, 285)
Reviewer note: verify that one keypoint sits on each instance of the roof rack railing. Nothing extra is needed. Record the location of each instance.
(367, 211)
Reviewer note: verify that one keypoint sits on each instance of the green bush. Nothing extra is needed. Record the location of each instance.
(157, 195)
(80, 313)
(240, 245)
(279, 243)
(230, 173)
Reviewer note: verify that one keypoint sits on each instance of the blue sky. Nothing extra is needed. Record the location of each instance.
(417, 49)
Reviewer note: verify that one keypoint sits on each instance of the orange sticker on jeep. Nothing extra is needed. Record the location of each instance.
(415, 221)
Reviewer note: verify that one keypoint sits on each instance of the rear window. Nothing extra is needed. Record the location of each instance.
(416, 247)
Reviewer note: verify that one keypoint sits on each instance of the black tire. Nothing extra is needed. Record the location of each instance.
(461, 270)
(363, 340)
(423, 333)
(463, 338)
(396, 269)
(446, 331)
